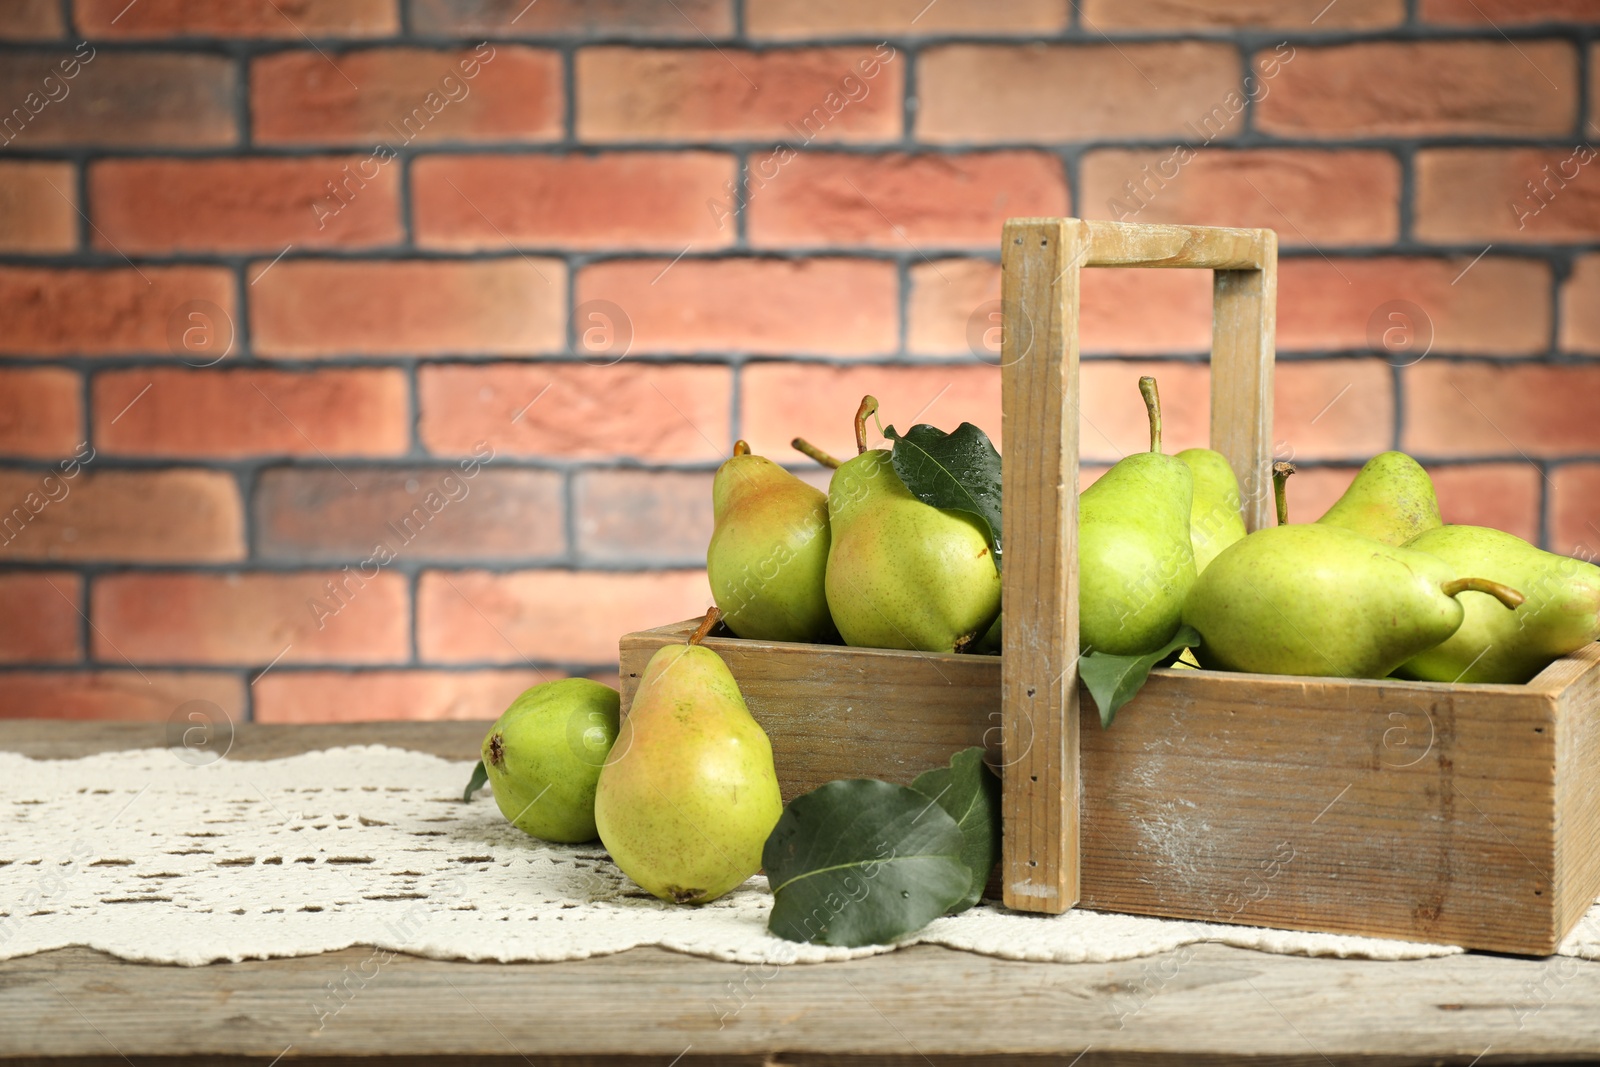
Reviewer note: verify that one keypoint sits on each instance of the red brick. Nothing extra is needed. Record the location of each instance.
(155, 516)
(405, 95)
(797, 95)
(801, 19)
(900, 201)
(1333, 409)
(1474, 409)
(38, 207)
(1575, 511)
(250, 619)
(646, 517)
(636, 200)
(41, 413)
(632, 410)
(1311, 198)
(118, 311)
(832, 306)
(39, 620)
(114, 19)
(129, 695)
(1580, 307)
(1505, 496)
(1037, 92)
(1491, 13)
(117, 98)
(333, 308)
(32, 20)
(1499, 306)
(1423, 88)
(567, 617)
(225, 414)
(956, 303)
(643, 18)
(1501, 195)
(243, 205)
(466, 512)
(310, 696)
(1242, 14)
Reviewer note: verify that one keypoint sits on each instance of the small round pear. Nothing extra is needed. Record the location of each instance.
(543, 757)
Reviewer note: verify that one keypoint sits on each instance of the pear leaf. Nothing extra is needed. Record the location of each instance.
(480, 775)
(957, 471)
(862, 862)
(970, 792)
(1114, 680)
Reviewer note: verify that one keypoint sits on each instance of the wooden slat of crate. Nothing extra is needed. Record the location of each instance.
(1458, 814)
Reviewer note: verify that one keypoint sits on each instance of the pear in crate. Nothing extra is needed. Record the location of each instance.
(902, 573)
(768, 551)
(1561, 613)
(1308, 599)
(543, 757)
(1135, 552)
(689, 794)
(1391, 500)
(1215, 521)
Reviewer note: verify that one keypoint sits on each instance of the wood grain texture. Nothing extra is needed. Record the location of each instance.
(1412, 810)
(1136, 244)
(1243, 332)
(1039, 273)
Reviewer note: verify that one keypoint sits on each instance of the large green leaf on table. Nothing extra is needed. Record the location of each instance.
(970, 792)
(957, 471)
(480, 775)
(1115, 680)
(862, 863)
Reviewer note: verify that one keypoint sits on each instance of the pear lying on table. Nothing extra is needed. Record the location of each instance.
(543, 757)
(1561, 614)
(768, 551)
(1391, 500)
(1135, 551)
(688, 794)
(902, 573)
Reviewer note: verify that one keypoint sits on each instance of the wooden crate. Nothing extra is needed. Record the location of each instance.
(1466, 814)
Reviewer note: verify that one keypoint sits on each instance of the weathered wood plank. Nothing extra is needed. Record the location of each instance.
(1577, 758)
(1243, 340)
(1039, 271)
(1131, 244)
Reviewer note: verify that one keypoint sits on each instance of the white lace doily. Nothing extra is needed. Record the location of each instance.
(149, 858)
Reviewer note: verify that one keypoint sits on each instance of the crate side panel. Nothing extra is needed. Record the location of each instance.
(1578, 789)
(1392, 810)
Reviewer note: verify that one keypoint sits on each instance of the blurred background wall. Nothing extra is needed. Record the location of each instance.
(371, 359)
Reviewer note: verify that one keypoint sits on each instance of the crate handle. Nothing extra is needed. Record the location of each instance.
(1040, 260)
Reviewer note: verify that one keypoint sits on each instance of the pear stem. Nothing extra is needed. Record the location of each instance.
(707, 624)
(868, 408)
(1280, 489)
(1152, 404)
(741, 447)
(802, 445)
(1503, 593)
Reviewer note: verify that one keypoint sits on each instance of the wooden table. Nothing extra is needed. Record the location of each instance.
(924, 1005)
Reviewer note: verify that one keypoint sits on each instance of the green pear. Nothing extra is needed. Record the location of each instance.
(543, 757)
(1308, 599)
(689, 794)
(1216, 521)
(1561, 614)
(1135, 552)
(1391, 500)
(901, 573)
(768, 551)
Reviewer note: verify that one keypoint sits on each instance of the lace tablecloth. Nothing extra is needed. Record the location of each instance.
(150, 858)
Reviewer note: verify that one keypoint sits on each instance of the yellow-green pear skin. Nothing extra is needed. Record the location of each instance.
(1307, 599)
(1135, 554)
(901, 573)
(689, 794)
(769, 552)
(1391, 500)
(1216, 520)
(1493, 645)
(543, 757)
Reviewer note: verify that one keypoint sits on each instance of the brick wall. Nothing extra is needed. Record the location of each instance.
(494, 285)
